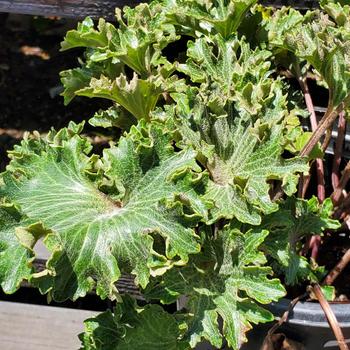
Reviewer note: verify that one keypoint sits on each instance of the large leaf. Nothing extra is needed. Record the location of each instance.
(130, 327)
(94, 235)
(226, 280)
(87, 36)
(236, 121)
(233, 71)
(296, 220)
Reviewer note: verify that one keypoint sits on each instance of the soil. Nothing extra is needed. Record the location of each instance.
(334, 247)
(30, 62)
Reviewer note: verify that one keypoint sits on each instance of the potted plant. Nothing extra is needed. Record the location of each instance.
(202, 191)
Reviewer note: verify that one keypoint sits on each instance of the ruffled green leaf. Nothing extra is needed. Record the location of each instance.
(87, 36)
(295, 220)
(137, 96)
(137, 42)
(233, 71)
(226, 280)
(209, 17)
(114, 116)
(106, 214)
(131, 327)
(327, 49)
(236, 121)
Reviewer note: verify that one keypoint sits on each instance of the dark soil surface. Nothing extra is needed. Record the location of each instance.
(30, 62)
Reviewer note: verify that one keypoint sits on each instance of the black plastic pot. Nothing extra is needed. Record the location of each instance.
(298, 4)
(306, 324)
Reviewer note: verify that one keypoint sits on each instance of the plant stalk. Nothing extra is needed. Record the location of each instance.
(314, 241)
(282, 319)
(337, 269)
(321, 194)
(338, 192)
(325, 123)
(327, 139)
(338, 150)
(332, 320)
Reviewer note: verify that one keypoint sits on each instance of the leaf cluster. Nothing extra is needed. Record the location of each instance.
(196, 198)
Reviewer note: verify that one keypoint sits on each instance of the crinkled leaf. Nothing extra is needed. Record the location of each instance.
(339, 11)
(130, 327)
(137, 96)
(94, 235)
(327, 49)
(295, 220)
(232, 70)
(195, 17)
(143, 33)
(137, 42)
(87, 36)
(226, 280)
(241, 143)
(114, 116)
(279, 24)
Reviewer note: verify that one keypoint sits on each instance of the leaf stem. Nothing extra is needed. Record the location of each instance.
(338, 150)
(325, 123)
(327, 139)
(332, 320)
(338, 192)
(337, 269)
(321, 194)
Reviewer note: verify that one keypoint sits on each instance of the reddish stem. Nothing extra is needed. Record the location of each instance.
(337, 195)
(321, 194)
(335, 272)
(327, 139)
(338, 150)
(303, 185)
(315, 243)
(332, 320)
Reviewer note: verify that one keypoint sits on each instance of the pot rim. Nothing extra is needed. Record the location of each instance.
(311, 314)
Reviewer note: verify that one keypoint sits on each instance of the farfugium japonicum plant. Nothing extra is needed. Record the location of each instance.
(198, 197)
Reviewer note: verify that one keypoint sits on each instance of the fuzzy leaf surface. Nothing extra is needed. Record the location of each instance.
(226, 280)
(209, 17)
(95, 235)
(131, 327)
(295, 220)
(326, 48)
(236, 121)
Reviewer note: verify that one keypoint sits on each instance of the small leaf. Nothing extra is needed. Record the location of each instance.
(295, 220)
(131, 327)
(194, 17)
(137, 96)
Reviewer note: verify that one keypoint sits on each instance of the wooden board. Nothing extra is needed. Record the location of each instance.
(102, 8)
(37, 327)
(65, 8)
